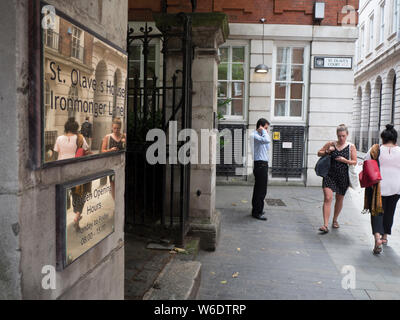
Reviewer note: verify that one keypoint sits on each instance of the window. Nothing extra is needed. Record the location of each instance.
(73, 94)
(232, 74)
(289, 82)
(136, 64)
(51, 39)
(371, 33)
(76, 48)
(395, 22)
(362, 42)
(382, 26)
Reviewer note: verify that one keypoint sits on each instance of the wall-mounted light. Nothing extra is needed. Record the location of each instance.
(319, 11)
(262, 68)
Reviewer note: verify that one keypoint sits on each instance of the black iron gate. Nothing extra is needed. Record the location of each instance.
(288, 152)
(157, 195)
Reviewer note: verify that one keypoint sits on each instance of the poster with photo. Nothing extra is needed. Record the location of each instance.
(83, 91)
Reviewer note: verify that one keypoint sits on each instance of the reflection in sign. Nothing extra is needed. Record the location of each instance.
(333, 62)
(83, 92)
(88, 215)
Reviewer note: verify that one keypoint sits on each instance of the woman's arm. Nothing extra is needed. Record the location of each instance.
(353, 152)
(325, 149)
(104, 144)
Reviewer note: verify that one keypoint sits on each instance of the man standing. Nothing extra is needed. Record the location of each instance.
(260, 142)
(86, 131)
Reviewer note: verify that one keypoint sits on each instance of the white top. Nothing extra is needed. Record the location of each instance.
(66, 146)
(389, 161)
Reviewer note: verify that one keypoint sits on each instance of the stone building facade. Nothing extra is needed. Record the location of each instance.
(376, 95)
(28, 194)
(304, 103)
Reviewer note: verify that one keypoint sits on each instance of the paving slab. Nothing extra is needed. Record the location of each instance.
(286, 257)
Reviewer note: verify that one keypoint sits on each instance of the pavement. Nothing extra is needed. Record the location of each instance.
(286, 257)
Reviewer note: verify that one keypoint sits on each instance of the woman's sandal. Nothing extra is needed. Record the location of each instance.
(384, 241)
(335, 225)
(377, 249)
(324, 229)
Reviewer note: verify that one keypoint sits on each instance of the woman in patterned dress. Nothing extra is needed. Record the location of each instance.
(337, 179)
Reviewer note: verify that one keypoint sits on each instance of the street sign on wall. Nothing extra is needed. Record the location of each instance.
(333, 62)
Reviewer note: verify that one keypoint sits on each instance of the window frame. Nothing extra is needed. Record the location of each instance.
(371, 32)
(382, 22)
(157, 64)
(246, 64)
(395, 16)
(306, 68)
(78, 44)
(362, 41)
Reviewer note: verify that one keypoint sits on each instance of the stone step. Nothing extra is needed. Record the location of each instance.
(179, 280)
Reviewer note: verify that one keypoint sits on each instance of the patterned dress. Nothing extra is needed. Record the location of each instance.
(338, 177)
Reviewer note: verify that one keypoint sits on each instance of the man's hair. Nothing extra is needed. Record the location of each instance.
(262, 122)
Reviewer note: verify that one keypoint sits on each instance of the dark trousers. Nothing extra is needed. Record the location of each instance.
(382, 223)
(260, 171)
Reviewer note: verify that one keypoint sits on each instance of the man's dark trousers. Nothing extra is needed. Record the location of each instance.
(260, 171)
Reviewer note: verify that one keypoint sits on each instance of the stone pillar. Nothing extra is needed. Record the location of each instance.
(210, 30)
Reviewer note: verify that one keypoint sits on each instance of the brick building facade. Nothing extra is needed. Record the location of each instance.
(298, 12)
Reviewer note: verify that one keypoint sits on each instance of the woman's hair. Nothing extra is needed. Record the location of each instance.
(389, 134)
(71, 126)
(117, 121)
(342, 127)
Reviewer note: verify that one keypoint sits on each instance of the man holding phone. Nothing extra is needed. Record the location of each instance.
(260, 142)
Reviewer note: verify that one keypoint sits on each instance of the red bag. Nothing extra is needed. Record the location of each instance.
(370, 174)
(80, 152)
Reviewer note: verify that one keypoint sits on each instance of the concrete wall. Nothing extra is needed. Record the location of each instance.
(331, 98)
(10, 286)
(28, 205)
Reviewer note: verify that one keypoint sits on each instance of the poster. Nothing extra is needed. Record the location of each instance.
(83, 91)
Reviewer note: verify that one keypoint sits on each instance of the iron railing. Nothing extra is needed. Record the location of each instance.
(158, 194)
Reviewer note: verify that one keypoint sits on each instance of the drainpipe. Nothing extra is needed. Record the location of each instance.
(308, 108)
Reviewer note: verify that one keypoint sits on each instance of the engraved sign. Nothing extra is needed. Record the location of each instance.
(83, 90)
(333, 62)
(85, 215)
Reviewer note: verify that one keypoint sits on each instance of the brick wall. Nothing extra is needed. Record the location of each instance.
(248, 11)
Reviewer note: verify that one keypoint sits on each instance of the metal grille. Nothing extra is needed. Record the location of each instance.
(275, 202)
(288, 163)
(227, 165)
(157, 195)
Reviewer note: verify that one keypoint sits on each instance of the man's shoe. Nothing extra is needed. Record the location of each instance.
(260, 217)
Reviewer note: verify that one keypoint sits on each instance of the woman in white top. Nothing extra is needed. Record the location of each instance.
(389, 163)
(66, 145)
